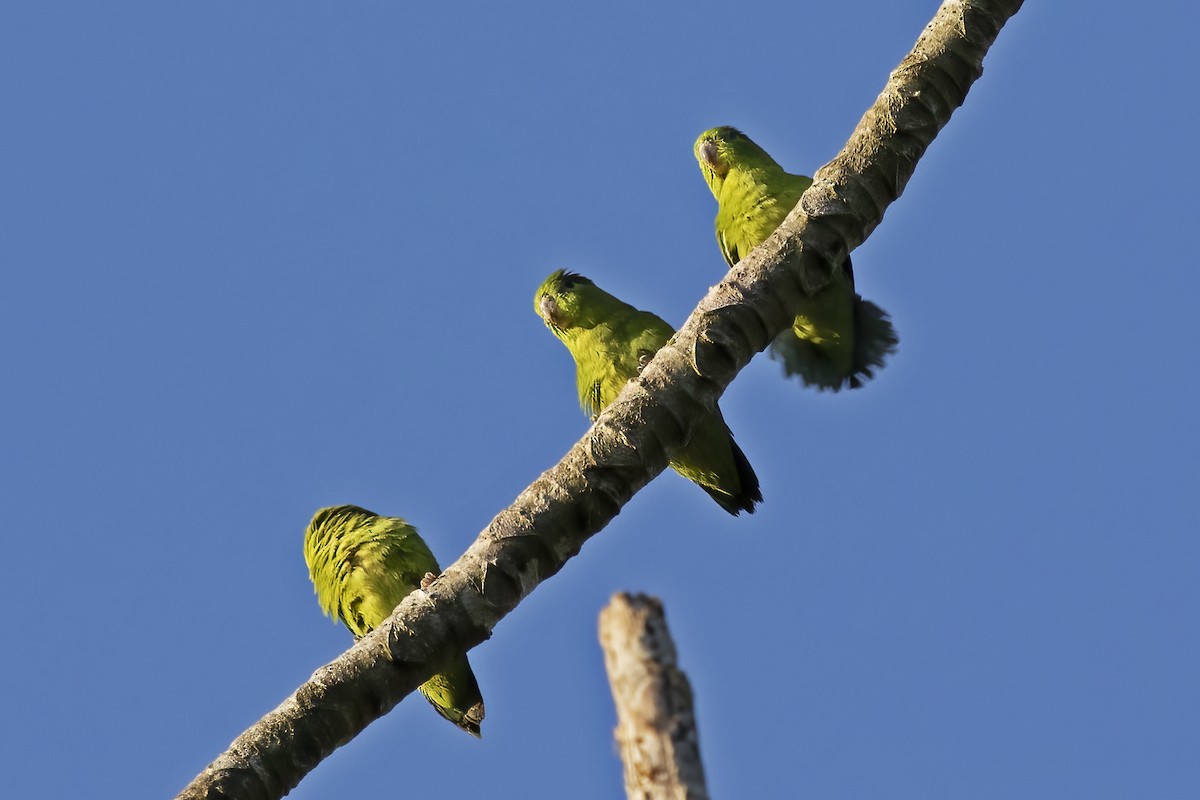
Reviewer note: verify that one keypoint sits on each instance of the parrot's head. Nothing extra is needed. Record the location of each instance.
(339, 518)
(320, 548)
(719, 150)
(562, 301)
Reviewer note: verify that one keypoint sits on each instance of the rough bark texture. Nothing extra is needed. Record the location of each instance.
(626, 447)
(656, 721)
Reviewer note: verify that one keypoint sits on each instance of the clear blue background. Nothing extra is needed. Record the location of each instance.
(262, 258)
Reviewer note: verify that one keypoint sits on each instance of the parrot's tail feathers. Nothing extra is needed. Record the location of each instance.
(471, 720)
(468, 720)
(452, 691)
(749, 494)
(807, 361)
(874, 340)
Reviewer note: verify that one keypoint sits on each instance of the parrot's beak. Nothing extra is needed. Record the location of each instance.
(547, 306)
(708, 152)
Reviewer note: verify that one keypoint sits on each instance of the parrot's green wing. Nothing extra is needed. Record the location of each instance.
(362, 565)
(611, 341)
(838, 339)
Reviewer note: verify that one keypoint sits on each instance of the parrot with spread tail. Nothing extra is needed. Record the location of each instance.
(837, 339)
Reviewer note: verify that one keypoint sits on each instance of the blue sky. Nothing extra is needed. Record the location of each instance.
(261, 259)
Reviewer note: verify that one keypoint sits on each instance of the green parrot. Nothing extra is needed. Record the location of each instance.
(838, 338)
(362, 565)
(611, 342)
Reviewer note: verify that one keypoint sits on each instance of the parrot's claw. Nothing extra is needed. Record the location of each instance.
(427, 580)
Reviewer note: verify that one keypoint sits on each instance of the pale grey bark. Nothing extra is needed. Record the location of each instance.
(627, 446)
(656, 719)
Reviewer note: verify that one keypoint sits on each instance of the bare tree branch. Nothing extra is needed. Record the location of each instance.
(656, 721)
(627, 446)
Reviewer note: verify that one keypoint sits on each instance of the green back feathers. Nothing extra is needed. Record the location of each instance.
(362, 565)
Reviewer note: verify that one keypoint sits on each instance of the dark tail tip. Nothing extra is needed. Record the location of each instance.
(749, 493)
(874, 340)
(469, 721)
(472, 720)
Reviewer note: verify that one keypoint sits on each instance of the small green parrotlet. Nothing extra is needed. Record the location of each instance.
(362, 565)
(611, 342)
(838, 339)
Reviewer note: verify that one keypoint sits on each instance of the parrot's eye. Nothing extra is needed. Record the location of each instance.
(567, 282)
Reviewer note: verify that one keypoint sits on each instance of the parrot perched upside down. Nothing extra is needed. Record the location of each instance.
(611, 341)
(838, 338)
(362, 565)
